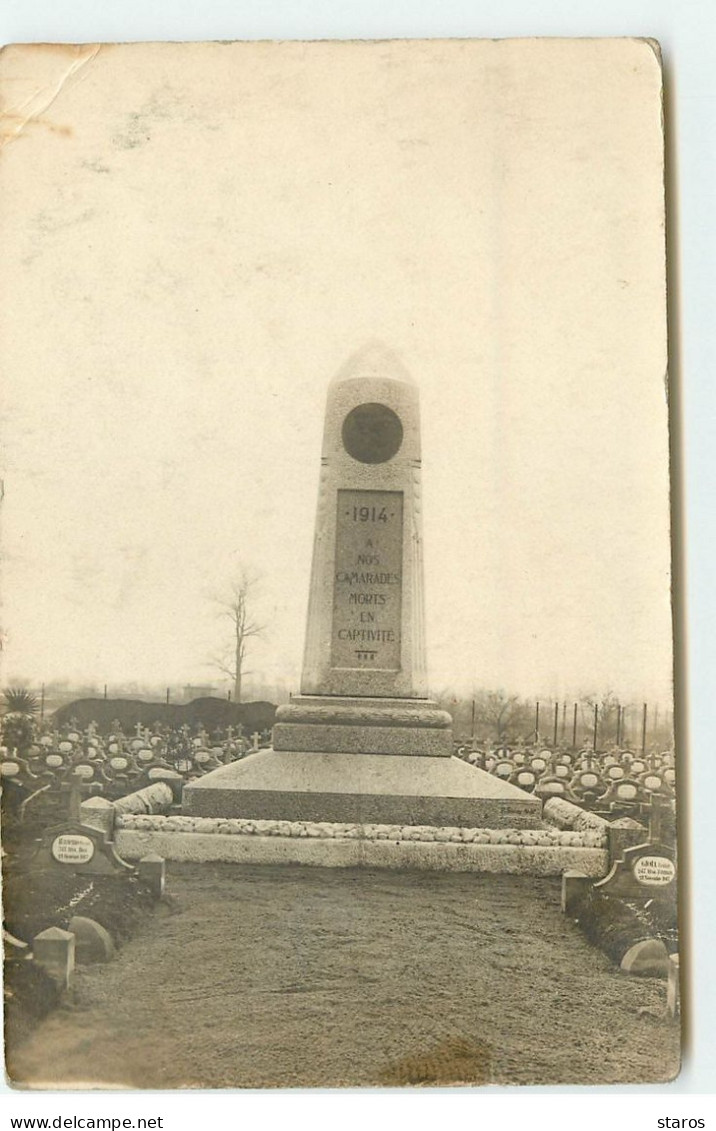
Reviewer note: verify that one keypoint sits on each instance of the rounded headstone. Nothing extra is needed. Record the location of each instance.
(647, 959)
(93, 943)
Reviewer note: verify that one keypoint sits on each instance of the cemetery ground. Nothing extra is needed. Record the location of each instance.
(291, 976)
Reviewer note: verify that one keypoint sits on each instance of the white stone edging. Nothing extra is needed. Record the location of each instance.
(324, 830)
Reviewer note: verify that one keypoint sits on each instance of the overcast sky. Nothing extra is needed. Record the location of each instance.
(194, 240)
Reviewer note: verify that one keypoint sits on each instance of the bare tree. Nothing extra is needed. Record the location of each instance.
(235, 604)
(498, 711)
(491, 713)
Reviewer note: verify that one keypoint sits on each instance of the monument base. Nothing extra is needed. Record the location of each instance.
(364, 788)
(332, 724)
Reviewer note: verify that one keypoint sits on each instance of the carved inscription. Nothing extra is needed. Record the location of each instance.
(367, 586)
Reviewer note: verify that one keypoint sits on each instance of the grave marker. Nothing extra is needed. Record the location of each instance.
(79, 848)
(93, 942)
(54, 951)
(152, 869)
(645, 872)
(76, 846)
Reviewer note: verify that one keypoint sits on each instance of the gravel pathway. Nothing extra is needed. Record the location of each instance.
(310, 977)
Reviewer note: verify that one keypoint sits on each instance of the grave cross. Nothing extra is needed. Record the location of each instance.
(75, 788)
(139, 728)
(256, 738)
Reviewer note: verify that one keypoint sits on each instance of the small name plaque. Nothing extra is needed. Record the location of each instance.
(72, 848)
(654, 871)
(367, 587)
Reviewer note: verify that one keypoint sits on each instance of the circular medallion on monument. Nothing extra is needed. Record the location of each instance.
(372, 433)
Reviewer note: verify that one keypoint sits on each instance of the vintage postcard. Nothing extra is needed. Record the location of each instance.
(337, 703)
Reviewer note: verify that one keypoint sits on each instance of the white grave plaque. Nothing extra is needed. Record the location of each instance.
(654, 871)
(72, 848)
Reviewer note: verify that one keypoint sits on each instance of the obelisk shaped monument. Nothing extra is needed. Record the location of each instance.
(364, 661)
(365, 632)
(362, 743)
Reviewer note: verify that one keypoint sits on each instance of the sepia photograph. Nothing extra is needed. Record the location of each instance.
(337, 686)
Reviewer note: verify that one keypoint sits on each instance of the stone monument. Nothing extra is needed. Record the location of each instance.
(362, 742)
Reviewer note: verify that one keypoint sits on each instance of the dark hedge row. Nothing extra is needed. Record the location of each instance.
(210, 713)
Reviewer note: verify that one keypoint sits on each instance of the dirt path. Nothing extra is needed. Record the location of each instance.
(295, 976)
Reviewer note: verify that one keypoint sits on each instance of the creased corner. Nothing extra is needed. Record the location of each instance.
(15, 117)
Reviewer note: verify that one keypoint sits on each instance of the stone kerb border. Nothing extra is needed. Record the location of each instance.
(541, 852)
(324, 830)
(573, 840)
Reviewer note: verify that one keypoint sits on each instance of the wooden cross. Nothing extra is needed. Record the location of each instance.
(139, 728)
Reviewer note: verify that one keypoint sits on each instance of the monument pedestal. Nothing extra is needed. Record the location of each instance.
(343, 725)
(390, 789)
